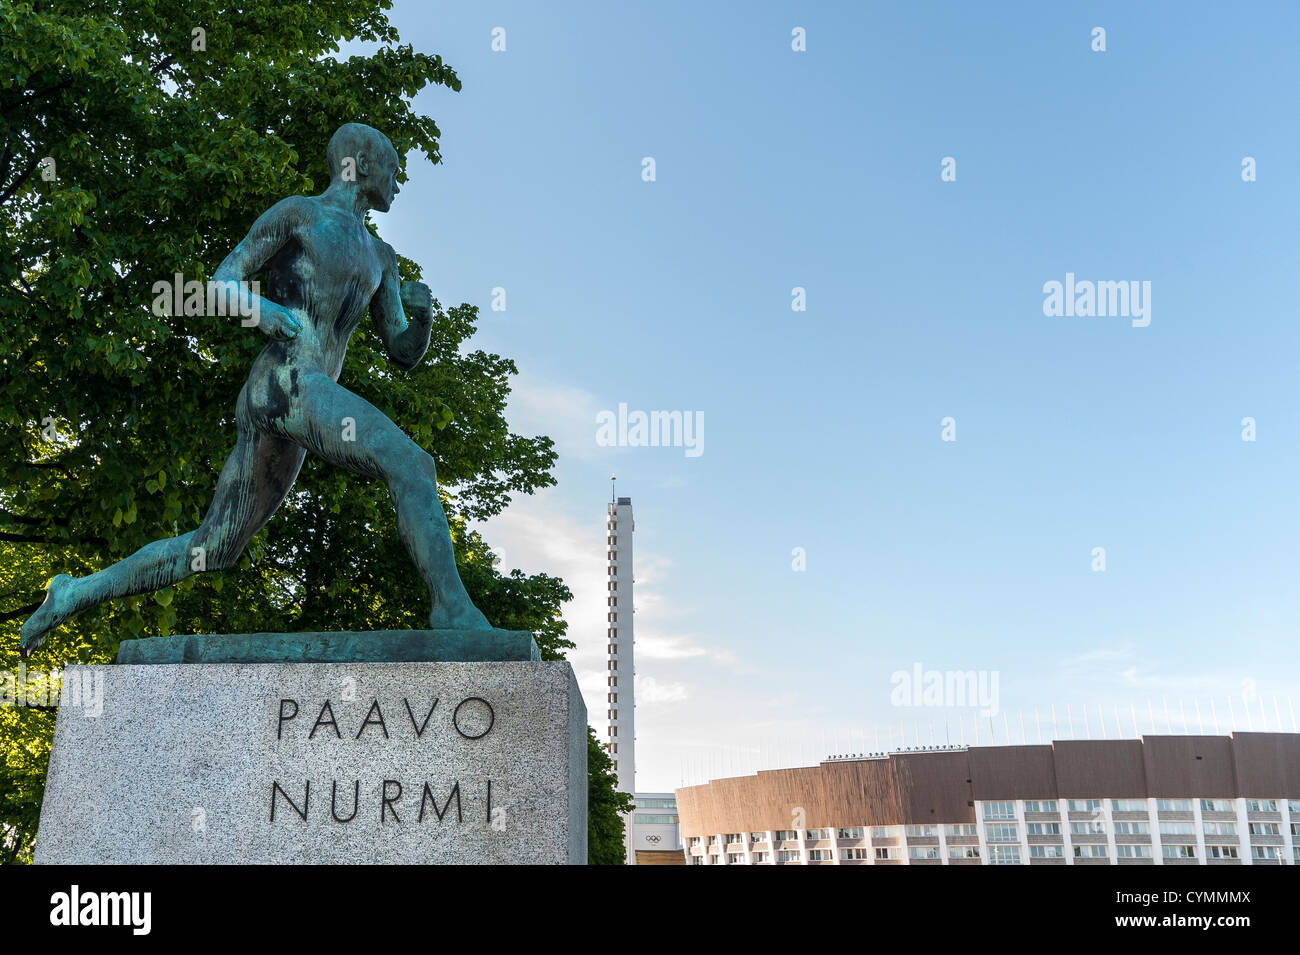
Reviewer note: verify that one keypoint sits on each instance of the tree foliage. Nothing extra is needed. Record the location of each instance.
(131, 152)
(606, 807)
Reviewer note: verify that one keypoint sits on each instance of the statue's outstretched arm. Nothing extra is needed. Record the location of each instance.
(268, 236)
(405, 341)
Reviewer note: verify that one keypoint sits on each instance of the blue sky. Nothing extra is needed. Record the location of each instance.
(821, 169)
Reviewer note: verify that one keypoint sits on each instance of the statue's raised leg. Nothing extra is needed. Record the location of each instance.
(255, 479)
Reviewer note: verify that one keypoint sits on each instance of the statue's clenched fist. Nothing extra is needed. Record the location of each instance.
(417, 301)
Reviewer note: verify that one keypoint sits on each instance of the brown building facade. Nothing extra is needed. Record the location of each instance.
(1155, 800)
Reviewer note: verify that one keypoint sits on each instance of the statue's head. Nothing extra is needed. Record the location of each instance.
(362, 155)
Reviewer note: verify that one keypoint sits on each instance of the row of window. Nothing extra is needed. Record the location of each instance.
(1006, 832)
(1006, 808)
(1006, 854)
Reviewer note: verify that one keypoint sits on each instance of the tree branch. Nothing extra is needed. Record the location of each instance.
(30, 521)
(20, 612)
(22, 178)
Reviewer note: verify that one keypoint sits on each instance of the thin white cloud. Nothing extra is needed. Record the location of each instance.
(651, 692)
(652, 645)
(1100, 655)
(565, 413)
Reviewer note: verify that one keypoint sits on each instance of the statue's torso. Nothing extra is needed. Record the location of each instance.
(328, 272)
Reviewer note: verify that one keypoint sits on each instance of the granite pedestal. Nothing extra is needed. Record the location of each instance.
(319, 762)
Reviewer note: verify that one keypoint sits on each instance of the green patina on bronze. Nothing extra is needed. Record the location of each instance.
(377, 646)
(325, 271)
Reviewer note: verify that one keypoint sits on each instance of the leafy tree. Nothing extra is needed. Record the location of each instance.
(605, 807)
(139, 139)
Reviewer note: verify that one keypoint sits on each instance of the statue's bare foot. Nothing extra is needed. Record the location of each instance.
(53, 612)
(459, 616)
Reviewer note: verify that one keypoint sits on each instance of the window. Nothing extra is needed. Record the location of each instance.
(1047, 852)
(963, 852)
(656, 803)
(1128, 805)
(816, 835)
(819, 855)
(1264, 829)
(1093, 827)
(1043, 828)
(1132, 829)
(758, 837)
(786, 835)
(757, 857)
(849, 832)
(881, 832)
(1176, 829)
(1221, 852)
(1174, 805)
(1000, 810)
(883, 853)
(735, 858)
(922, 831)
(923, 852)
(1005, 855)
(1266, 853)
(1220, 828)
(961, 829)
(853, 855)
(1040, 805)
(1001, 832)
(731, 837)
(1085, 805)
(713, 840)
(1294, 806)
(1178, 852)
(1216, 805)
(1133, 852)
(1295, 828)
(695, 841)
(788, 855)
(1261, 805)
(1090, 852)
